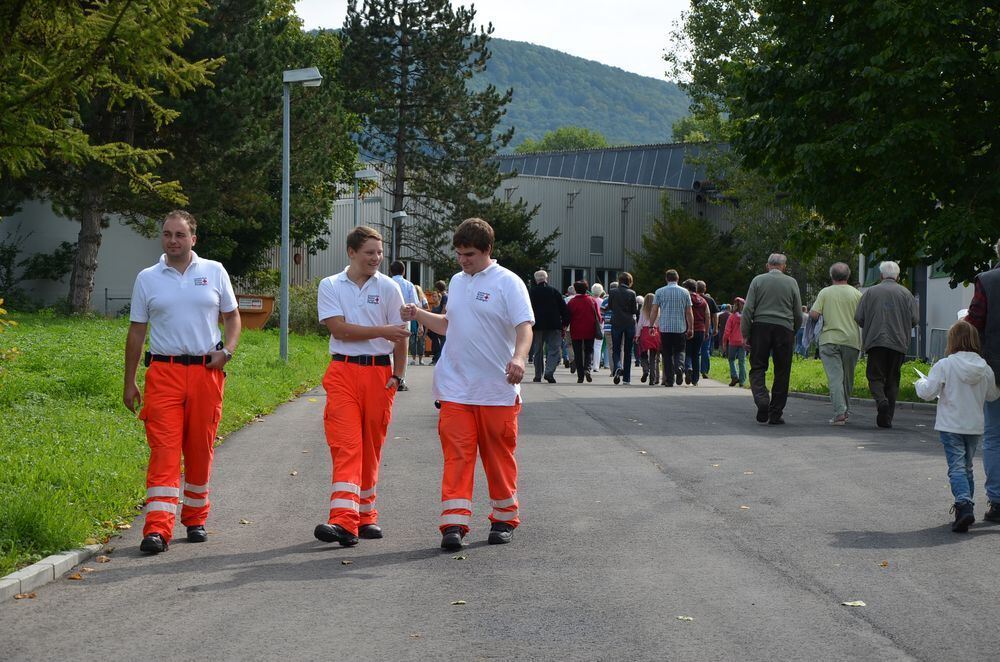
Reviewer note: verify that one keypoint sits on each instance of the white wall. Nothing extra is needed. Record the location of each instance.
(123, 254)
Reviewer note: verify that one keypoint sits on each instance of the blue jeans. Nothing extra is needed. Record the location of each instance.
(622, 338)
(991, 450)
(960, 449)
(706, 353)
(737, 356)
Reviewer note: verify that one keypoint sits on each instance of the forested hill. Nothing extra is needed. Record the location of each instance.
(553, 89)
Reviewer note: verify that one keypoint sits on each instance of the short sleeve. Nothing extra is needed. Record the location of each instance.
(394, 301)
(227, 297)
(687, 298)
(820, 299)
(326, 301)
(518, 302)
(138, 310)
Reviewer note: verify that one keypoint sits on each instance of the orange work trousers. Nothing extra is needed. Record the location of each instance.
(182, 405)
(492, 430)
(357, 415)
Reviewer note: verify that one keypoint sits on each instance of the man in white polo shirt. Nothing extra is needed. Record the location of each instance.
(477, 381)
(361, 307)
(180, 299)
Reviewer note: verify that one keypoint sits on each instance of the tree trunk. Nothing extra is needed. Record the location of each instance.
(81, 282)
(399, 183)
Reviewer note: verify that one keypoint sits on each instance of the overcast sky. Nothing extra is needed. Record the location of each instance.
(631, 34)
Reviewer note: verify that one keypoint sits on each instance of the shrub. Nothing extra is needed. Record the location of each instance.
(10, 353)
(302, 314)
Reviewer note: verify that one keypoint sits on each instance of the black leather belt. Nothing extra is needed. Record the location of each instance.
(363, 359)
(183, 359)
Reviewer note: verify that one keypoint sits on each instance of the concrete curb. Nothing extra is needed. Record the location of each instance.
(865, 402)
(47, 570)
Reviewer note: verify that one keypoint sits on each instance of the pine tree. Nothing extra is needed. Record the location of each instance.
(410, 64)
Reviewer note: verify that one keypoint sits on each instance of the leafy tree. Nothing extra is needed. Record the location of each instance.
(695, 249)
(60, 55)
(881, 116)
(699, 128)
(409, 65)
(565, 137)
(233, 179)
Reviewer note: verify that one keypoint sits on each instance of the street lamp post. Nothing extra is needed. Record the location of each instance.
(309, 77)
(367, 173)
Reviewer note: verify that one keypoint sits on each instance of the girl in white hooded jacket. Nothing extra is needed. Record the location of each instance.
(961, 381)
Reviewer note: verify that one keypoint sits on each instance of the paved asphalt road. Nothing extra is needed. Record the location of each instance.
(633, 515)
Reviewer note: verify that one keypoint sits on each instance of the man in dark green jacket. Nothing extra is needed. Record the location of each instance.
(771, 315)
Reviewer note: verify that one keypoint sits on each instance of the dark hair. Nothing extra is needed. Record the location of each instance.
(397, 268)
(690, 284)
(625, 278)
(184, 216)
(440, 286)
(962, 337)
(673, 276)
(357, 237)
(581, 287)
(475, 233)
(702, 286)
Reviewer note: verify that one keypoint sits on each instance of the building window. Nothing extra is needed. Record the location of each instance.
(597, 245)
(606, 276)
(572, 274)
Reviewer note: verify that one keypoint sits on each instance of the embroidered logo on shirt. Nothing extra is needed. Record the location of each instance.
(482, 296)
(374, 299)
(201, 280)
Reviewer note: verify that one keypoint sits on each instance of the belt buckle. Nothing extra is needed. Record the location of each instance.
(366, 360)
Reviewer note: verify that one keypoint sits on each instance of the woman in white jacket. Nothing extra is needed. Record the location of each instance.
(961, 381)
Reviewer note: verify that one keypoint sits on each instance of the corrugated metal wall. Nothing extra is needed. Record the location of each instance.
(618, 213)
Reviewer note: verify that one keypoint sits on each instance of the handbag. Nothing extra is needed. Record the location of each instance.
(598, 323)
(649, 339)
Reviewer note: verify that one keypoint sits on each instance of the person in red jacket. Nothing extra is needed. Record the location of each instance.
(584, 320)
(733, 345)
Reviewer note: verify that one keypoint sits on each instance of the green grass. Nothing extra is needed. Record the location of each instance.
(72, 457)
(808, 377)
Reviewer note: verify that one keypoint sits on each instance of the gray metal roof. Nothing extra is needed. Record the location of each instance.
(662, 166)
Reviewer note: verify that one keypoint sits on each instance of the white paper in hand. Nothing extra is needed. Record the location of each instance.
(920, 374)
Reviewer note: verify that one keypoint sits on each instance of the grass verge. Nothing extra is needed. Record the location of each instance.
(808, 377)
(72, 458)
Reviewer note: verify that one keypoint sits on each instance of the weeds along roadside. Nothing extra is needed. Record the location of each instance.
(72, 458)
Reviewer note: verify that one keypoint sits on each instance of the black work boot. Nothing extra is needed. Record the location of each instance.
(451, 538)
(964, 516)
(993, 512)
(153, 544)
(335, 533)
(500, 533)
(197, 533)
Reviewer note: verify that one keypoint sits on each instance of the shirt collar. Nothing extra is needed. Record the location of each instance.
(343, 276)
(163, 261)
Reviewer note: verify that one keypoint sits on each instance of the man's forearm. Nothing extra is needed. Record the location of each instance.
(133, 350)
(399, 352)
(342, 330)
(434, 322)
(522, 342)
(232, 326)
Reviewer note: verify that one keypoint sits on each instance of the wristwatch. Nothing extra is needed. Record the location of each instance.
(399, 380)
(229, 355)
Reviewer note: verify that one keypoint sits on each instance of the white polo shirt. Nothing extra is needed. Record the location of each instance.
(376, 303)
(182, 310)
(483, 311)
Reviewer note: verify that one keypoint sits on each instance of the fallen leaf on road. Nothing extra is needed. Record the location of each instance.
(85, 569)
(854, 603)
(103, 559)
(716, 466)
(860, 446)
(90, 541)
(684, 618)
(244, 522)
(76, 576)
(458, 602)
(395, 437)
(313, 400)
(346, 562)
(28, 596)
(744, 507)
(415, 635)
(643, 453)
(460, 557)
(884, 564)
(305, 451)
(921, 425)
(747, 473)
(122, 527)
(111, 549)
(294, 473)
